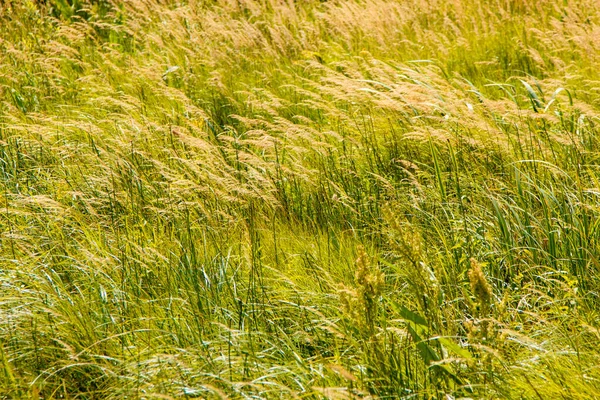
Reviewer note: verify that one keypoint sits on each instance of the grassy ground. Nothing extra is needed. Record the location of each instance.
(299, 199)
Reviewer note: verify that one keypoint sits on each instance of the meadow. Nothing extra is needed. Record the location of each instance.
(277, 199)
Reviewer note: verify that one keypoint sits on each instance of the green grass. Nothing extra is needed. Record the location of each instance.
(310, 199)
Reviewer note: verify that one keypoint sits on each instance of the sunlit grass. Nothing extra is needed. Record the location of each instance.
(337, 199)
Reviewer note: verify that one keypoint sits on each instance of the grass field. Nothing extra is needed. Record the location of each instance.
(304, 199)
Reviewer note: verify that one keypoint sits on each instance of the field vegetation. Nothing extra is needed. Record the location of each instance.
(305, 199)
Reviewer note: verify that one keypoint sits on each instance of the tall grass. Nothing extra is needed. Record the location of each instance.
(279, 199)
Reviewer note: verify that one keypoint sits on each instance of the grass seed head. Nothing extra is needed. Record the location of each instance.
(479, 284)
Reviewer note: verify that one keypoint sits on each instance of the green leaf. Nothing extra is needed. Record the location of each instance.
(446, 370)
(428, 354)
(533, 97)
(409, 315)
(454, 348)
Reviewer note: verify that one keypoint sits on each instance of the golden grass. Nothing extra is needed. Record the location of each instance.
(299, 199)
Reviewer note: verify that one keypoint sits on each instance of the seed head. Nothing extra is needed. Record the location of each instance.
(479, 284)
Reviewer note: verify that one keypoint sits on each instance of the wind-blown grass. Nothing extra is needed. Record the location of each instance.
(278, 199)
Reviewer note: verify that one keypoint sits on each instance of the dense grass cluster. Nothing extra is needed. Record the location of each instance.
(300, 199)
